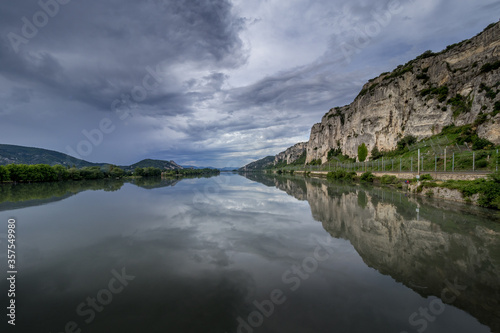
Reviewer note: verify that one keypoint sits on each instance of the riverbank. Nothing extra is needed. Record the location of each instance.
(481, 189)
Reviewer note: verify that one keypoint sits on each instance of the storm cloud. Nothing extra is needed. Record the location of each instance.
(203, 82)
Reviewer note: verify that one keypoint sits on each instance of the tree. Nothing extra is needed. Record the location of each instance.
(4, 174)
(61, 172)
(376, 154)
(404, 144)
(116, 172)
(362, 152)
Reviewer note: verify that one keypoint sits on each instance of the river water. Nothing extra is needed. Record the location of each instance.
(245, 254)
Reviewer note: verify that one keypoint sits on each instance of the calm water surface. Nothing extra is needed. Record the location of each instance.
(248, 254)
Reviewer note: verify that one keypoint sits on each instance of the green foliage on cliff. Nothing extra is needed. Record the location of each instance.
(488, 67)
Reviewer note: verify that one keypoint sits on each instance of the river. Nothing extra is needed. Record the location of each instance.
(251, 253)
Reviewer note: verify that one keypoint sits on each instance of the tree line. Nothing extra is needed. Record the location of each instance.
(23, 173)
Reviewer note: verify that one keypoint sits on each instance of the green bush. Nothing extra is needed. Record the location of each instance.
(387, 179)
(4, 174)
(488, 67)
(405, 143)
(341, 174)
(362, 152)
(481, 164)
(315, 162)
(367, 177)
(376, 154)
(426, 177)
(478, 143)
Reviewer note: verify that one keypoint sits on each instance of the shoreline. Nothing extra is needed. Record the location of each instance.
(433, 190)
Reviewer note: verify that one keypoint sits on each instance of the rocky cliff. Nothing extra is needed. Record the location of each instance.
(455, 86)
(291, 154)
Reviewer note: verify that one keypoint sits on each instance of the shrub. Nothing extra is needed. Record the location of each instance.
(315, 162)
(4, 174)
(481, 164)
(488, 67)
(341, 174)
(405, 143)
(460, 104)
(376, 154)
(426, 177)
(479, 143)
(362, 152)
(367, 177)
(386, 179)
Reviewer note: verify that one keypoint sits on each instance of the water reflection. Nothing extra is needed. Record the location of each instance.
(205, 250)
(14, 196)
(425, 244)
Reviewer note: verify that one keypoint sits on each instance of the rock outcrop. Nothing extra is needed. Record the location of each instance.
(291, 154)
(419, 98)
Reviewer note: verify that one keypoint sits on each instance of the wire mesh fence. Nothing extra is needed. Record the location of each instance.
(449, 159)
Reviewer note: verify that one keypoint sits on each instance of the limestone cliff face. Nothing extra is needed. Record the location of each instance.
(415, 100)
(291, 154)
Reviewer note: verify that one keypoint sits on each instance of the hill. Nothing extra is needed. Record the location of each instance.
(260, 164)
(160, 164)
(12, 154)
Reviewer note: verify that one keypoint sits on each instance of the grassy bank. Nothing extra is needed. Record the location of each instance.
(488, 190)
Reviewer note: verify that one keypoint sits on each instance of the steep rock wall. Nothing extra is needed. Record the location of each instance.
(396, 104)
(291, 154)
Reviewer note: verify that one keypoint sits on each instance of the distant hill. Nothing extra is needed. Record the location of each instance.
(10, 154)
(229, 168)
(164, 165)
(260, 164)
(221, 169)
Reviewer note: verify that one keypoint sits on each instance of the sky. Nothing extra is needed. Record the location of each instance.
(203, 82)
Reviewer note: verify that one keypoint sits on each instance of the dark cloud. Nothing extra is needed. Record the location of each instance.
(208, 81)
(94, 51)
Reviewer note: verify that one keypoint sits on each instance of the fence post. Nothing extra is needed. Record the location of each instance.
(473, 161)
(453, 165)
(435, 163)
(418, 163)
(445, 159)
(392, 164)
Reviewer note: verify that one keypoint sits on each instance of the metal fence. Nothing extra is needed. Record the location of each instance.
(449, 159)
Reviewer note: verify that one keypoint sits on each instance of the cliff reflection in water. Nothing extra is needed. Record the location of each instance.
(420, 243)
